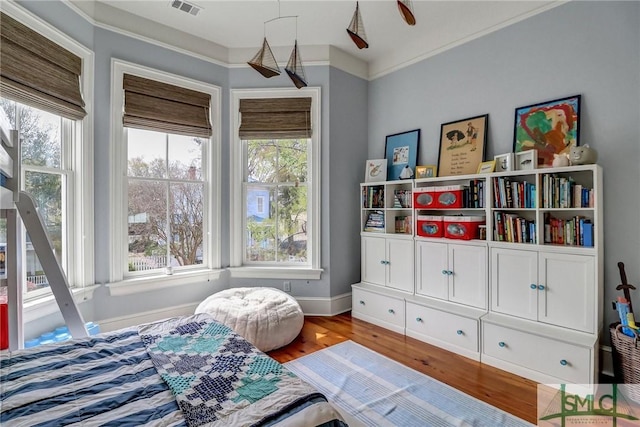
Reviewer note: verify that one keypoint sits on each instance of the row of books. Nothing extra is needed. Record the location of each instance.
(401, 198)
(373, 197)
(474, 194)
(404, 224)
(375, 222)
(513, 194)
(563, 192)
(512, 228)
(577, 231)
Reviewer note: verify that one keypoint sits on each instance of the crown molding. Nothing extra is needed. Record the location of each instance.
(115, 20)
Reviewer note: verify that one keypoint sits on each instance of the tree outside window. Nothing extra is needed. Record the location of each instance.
(45, 178)
(165, 201)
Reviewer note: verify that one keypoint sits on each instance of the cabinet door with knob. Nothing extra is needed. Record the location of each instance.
(452, 272)
(549, 287)
(514, 282)
(388, 262)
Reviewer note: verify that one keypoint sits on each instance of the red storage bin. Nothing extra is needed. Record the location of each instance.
(429, 226)
(424, 198)
(4, 326)
(462, 227)
(449, 197)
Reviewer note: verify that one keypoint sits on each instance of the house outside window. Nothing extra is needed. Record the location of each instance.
(275, 224)
(166, 180)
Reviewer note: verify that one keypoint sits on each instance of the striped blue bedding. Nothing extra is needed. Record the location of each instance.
(110, 380)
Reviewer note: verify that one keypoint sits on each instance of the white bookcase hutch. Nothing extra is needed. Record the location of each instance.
(534, 309)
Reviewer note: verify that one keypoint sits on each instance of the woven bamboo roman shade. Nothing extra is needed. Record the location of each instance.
(38, 72)
(278, 118)
(152, 105)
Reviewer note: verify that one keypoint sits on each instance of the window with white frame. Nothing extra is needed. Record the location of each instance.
(275, 167)
(45, 140)
(53, 126)
(167, 214)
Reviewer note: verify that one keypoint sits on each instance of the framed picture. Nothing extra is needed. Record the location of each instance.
(462, 145)
(526, 160)
(551, 127)
(375, 170)
(504, 162)
(421, 171)
(427, 171)
(401, 150)
(486, 167)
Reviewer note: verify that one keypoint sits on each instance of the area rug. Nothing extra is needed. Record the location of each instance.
(376, 391)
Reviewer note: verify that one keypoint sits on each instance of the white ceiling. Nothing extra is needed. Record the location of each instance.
(239, 25)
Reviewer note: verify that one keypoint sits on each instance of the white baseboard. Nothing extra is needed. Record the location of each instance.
(116, 323)
(320, 306)
(311, 306)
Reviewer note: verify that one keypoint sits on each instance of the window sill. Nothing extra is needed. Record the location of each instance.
(275, 273)
(161, 281)
(46, 305)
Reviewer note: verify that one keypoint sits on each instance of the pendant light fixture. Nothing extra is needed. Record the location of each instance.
(406, 10)
(265, 63)
(356, 30)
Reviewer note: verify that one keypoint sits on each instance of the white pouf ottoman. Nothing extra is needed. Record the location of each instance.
(266, 317)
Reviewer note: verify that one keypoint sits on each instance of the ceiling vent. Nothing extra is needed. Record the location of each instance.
(187, 7)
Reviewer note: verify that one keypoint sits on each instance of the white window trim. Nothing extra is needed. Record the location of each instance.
(119, 285)
(81, 232)
(237, 269)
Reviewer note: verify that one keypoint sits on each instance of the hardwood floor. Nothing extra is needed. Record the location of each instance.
(506, 391)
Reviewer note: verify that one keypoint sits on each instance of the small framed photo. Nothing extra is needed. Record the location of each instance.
(376, 170)
(487, 167)
(431, 171)
(526, 160)
(427, 171)
(504, 162)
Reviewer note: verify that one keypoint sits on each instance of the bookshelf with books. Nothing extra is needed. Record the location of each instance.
(546, 286)
(386, 207)
(532, 285)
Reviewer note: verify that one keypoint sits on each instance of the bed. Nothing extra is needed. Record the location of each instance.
(186, 371)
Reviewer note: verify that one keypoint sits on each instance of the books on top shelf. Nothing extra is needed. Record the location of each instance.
(402, 198)
(564, 192)
(513, 194)
(373, 197)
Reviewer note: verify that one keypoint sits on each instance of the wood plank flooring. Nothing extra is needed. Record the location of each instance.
(506, 391)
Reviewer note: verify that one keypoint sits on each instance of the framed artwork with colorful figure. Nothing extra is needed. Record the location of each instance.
(550, 127)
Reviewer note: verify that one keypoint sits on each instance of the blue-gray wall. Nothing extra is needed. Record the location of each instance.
(589, 48)
(582, 47)
(347, 137)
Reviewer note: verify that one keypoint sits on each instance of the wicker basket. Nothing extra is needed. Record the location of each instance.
(626, 360)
